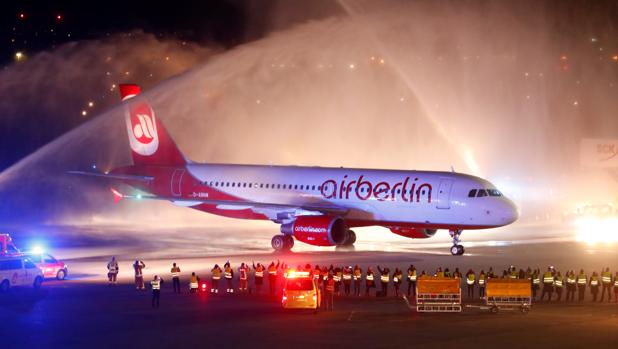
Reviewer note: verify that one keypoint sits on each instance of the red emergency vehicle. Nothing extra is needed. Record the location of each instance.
(51, 267)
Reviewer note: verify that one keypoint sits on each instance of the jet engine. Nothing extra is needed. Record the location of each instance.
(317, 230)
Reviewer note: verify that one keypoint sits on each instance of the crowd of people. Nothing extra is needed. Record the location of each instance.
(356, 281)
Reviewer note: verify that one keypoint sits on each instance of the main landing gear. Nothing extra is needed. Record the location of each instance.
(282, 242)
(350, 238)
(457, 249)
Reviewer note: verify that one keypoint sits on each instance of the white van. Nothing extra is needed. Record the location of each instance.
(19, 271)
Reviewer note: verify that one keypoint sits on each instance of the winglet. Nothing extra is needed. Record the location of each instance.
(117, 195)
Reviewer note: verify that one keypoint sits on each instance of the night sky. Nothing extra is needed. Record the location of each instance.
(29, 29)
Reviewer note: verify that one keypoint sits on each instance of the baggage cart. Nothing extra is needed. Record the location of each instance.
(507, 294)
(438, 294)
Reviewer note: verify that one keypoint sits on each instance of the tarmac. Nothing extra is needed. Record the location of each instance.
(84, 312)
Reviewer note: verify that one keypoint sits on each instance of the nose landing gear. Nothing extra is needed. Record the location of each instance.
(456, 249)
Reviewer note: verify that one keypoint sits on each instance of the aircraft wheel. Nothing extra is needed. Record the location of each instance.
(460, 249)
(278, 242)
(289, 242)
(350, 238)
(455, 250)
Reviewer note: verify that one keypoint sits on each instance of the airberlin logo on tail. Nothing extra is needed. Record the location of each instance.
(142, 128)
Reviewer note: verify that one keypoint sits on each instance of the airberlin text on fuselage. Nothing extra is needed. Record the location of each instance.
(409, 190)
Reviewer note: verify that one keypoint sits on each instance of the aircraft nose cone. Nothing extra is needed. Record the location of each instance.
(509, 212)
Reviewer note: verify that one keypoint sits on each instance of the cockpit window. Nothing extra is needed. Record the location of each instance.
(472, 193)
(481, 193)
(494, 192)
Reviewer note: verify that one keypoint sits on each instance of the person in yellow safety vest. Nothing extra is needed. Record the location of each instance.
(259, 277)
(412, 280)
(595, 282)
(384, 279)
(216, 276)
(286, 270)
(606, 281)
(112, 271)
(357, 275)
(347, 279)
(558, 286)
(571, 285)
(193, 285)
(616, 288)
(272, 277)
(369, 281)
(536, 282)
(528, 275)
(470, 281)
(337, 277)
(482, 281)
(457, 274)
(175, 277)
(155, 284)
(512, 273)
(324, 274)
(397, 279)
(243, 277)
(317, 275)
(228, 273)
(490, 273)
(439, 272)
(138, 266)
(548, 284)
(329, 292)
(582, 281)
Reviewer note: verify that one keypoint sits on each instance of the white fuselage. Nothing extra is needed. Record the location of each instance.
(384, 197)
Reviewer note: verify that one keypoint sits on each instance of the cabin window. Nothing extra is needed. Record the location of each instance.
(481, 193)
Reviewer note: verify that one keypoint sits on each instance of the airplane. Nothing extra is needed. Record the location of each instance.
(315, 205)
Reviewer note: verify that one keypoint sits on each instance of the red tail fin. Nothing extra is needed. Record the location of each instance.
(149, 140)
